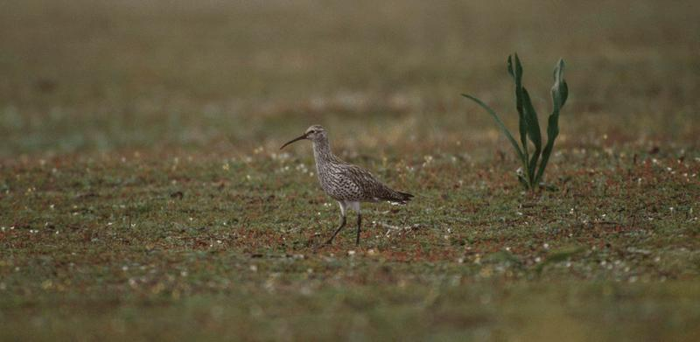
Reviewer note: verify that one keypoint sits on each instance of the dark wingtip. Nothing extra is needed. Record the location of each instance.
(398, 197)
(404, 197)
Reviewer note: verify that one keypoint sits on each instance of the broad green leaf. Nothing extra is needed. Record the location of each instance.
(533, 132)
(560, 92)
(516, 71)
(552, 132)
(510, 67)
(500, 125)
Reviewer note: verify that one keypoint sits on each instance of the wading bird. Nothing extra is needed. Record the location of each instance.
(346, 183)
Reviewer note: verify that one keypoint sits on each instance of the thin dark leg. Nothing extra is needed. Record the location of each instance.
(359, 228)
(342, 224)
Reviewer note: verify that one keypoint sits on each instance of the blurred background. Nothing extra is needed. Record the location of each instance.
(228, 76)
(143, 195)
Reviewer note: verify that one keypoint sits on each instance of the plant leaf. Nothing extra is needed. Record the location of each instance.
(516, 72)
(510, 67)
(533, 133)
(500, 125)
(560, 92)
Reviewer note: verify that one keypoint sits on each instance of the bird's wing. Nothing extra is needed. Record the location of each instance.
(370, 187)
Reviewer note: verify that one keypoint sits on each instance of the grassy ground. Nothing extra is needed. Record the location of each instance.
(142, 195)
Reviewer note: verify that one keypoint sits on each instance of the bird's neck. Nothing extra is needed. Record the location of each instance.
(322, 151)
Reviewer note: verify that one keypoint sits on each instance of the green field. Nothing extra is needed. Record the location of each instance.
(143, 195)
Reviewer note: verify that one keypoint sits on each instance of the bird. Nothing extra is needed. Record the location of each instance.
(346, 183)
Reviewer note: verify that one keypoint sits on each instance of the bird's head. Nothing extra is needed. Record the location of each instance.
(313, 133)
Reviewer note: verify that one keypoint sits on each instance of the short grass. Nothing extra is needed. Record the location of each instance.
(143, 196)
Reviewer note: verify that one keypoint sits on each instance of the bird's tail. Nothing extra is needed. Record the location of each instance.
(400, 197)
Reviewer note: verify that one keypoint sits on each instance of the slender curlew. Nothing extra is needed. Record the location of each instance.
(346, 183)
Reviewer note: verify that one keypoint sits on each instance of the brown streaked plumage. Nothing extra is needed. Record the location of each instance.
(346, 183)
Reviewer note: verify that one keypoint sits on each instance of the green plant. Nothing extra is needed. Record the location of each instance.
(533, 165)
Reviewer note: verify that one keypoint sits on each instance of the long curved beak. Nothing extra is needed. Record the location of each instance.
(294, 140)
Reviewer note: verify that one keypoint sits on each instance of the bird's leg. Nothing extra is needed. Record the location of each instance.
(342, 223)
(359, 228)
